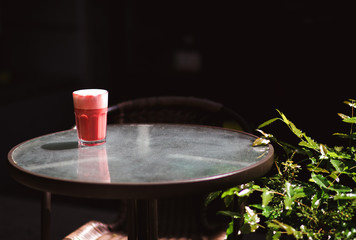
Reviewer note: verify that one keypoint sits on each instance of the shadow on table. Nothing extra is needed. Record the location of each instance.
(60, 145)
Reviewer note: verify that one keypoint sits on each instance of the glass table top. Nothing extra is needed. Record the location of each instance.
(143, 153)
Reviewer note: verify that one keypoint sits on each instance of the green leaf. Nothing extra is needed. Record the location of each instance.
(273, 235)
(230, 214)
(324, 183)
(323, 151)
(211, 197)
(335, 175)
(345, 135)
(251, 217)
(320, 180)
(230, 192)
(338, 165)
(288, 199)
(245, 192)
(345, 196)
(228, 195)
(230, 229)
(342, 135)
(228, 200)
(351, 104)
(306, 141)
(339, 155)
(343, 116)
(291, 125)
(305, 144)
(260, 141)
(267, 196)
(284, 118)
(266, 135)
(340, 188)
(338, 148)
(295, 130)
(311, 142)
(245, 229)
(316, 169)
(268, 122)
(266, 210)
(292, 193)
(288, 202)
(350, 120)
(308, 145)
(289, 229)
(316, 201)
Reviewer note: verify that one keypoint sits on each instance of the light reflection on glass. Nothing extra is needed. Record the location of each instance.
(143, 140)
(93, 164)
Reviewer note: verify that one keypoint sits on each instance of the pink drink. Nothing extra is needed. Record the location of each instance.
(90, 108)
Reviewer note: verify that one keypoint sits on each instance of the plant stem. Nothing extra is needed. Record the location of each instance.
(332, 183)
(351, 130)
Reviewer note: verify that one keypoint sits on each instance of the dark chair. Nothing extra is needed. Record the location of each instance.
(173, 109)
(183, 217)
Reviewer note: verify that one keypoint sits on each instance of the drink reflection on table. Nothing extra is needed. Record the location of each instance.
(93, 164)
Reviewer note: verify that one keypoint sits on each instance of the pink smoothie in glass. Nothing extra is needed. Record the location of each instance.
(90, 108)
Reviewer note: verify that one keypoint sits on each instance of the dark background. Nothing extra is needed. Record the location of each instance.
(297, 56)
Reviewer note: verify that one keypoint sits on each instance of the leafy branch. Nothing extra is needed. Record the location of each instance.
(309, 194)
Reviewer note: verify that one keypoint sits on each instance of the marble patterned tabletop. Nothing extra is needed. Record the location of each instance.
(143, 154)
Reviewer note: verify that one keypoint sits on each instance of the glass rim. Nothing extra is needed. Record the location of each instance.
(90, 91)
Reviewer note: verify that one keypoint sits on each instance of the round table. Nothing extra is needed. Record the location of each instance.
(141, 163)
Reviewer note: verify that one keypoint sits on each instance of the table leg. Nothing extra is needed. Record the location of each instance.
(46, 216)
(143, 220)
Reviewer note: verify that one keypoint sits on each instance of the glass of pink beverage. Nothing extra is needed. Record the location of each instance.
(90, 109)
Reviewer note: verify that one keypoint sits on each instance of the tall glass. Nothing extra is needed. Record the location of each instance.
(90, 108)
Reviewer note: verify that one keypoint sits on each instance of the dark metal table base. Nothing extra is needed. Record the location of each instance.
(46, 216)
(143, 222)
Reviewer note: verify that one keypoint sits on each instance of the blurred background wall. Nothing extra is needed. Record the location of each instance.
(253, 56)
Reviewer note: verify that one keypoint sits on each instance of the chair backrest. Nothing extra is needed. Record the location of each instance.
(176, 109)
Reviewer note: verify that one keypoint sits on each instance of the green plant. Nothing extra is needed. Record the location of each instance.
(309, 194)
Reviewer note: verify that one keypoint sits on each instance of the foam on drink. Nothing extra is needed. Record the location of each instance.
(90, 99)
